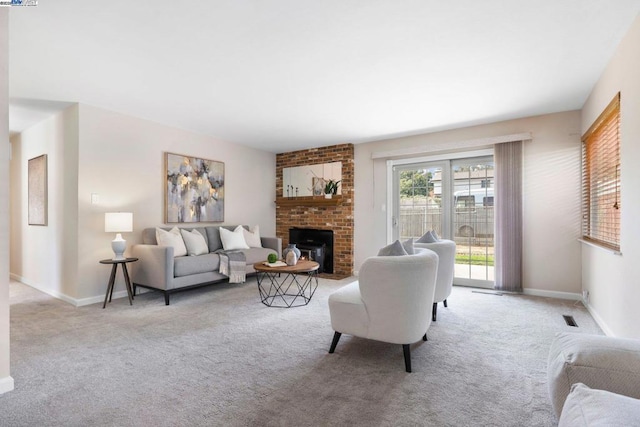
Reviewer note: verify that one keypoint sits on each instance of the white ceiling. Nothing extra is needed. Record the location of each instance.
(283, 75)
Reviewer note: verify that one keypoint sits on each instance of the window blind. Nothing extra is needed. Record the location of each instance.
(601, 178)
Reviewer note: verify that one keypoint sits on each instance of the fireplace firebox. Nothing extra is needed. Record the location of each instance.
(316, 244)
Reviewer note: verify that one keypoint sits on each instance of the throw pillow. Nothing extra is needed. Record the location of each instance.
(195, 243)
(394, 249)
(435, 235)
(171, 238)
(408, 246)
(252, 238)
(233, 240)
(427, 238)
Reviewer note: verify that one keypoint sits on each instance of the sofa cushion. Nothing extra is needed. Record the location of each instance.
(195, 242)
(149, 234)
(233, 240)
(252, 237)
(171, 238)
(186, 265)
(213, 236)
(590, 407)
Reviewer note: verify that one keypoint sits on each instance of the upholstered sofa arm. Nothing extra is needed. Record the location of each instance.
(599, 362)
(154, 266)
(274, 243)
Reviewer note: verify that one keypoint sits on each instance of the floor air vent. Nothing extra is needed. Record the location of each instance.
(570, 321)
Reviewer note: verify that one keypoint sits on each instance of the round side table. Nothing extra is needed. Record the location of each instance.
(112, 279)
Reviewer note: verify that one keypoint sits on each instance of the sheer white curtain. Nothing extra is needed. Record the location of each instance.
(508, 216)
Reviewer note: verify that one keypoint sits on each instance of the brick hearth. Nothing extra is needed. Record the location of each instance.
(338, 218)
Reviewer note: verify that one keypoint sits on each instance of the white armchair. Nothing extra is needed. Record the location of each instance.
(446, 250)
(390, 302)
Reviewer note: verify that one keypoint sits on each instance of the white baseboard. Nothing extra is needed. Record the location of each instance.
(6, 384)
(552, 294)
(608, 332)
(41, 288)
(573, 297)
(73, 301)
(99, 299)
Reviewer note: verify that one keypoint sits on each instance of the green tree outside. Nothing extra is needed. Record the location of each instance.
(415, 183)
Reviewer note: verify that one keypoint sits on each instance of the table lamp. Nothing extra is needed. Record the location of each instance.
(118, 222)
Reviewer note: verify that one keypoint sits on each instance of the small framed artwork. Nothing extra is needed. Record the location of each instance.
(37, 190)
(194, 189)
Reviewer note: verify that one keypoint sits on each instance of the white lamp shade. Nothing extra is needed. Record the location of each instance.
(118, 222)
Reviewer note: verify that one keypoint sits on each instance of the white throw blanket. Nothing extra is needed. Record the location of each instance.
(233, 265)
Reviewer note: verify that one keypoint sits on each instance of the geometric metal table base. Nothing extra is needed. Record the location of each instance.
(287, 286)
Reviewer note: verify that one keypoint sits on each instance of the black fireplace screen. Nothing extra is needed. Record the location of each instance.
(317, 243)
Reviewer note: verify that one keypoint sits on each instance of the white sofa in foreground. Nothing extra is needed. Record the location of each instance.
(594, 378)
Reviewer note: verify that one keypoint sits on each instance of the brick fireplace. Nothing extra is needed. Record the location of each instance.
(313, 212)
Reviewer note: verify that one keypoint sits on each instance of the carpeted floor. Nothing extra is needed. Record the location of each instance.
(218, 357)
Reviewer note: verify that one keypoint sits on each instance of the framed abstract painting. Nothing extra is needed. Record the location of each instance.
(194, 189)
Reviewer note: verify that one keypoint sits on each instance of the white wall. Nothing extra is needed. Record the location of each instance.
(6, 382)
(38, 253)
(551, 196)
(613, 281)
(120, 158)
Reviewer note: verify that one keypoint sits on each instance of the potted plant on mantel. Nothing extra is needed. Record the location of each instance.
(331, 188)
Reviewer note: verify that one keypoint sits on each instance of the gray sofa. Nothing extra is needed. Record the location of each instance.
(158, 269)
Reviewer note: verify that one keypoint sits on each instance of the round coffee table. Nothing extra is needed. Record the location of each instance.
(287, 286)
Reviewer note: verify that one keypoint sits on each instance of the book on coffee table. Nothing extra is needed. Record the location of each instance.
(275, 264)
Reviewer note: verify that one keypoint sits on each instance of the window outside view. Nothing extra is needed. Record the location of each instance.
(472, 221)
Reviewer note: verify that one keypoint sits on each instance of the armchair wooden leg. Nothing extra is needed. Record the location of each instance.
(445, 303)
(407, 356)
(434, 311)
(424, 338)
(334, 343)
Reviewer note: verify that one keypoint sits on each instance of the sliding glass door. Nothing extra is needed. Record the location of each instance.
(419, 204)
(472, 222)
(454, 198)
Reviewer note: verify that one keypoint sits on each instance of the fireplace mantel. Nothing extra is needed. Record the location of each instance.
(309, 201)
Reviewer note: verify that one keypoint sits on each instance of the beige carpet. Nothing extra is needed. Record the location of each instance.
(217, 357)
